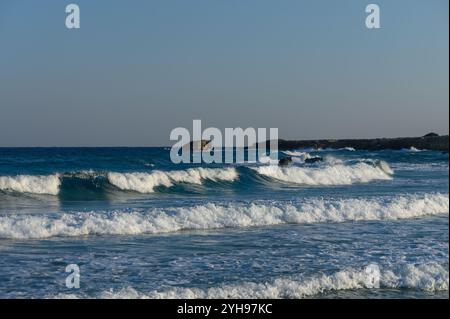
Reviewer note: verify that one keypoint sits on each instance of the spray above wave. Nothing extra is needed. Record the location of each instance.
(328, 175)
(298, 154)
(214, 216)
(146, 182)
(412, 149)
(429, 277)
(34, 184)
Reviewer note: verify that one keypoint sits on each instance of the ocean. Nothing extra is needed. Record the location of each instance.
(359, 224)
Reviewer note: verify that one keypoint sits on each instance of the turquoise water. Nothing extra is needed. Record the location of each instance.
(139, 226)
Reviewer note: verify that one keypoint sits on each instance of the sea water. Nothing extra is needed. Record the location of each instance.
(139, 226)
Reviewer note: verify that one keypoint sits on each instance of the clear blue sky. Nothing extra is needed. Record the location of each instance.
(137, 69)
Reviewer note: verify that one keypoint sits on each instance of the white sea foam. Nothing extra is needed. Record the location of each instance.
(412, 149)
(429, 277)
(301, 155)
(337, 174)
(33, 184)
(146, 182)
(214, 216)
(297, 156)
(267, 160)
(347, 148)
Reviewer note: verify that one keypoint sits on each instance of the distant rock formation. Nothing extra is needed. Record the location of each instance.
(431, 135)
(198, 145)
(431, 141)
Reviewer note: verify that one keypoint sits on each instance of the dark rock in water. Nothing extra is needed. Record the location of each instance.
(431, 135)
(200, 145)
(285, 160)
(313, 160)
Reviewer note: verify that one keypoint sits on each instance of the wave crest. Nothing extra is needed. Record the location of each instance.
(298, 154)
(214, 216)
(33, 184)
(146, 182)
(139, 182)
(328, 175)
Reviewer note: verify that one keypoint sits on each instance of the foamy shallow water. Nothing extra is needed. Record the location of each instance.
(284, 261)
(159, 231)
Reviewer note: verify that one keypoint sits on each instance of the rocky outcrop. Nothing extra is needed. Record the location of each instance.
(431, 135)
(428, 142)
(200, 145)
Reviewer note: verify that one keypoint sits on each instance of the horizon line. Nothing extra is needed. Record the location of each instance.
(161, 146)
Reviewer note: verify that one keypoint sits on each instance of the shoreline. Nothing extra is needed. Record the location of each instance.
(432, 143)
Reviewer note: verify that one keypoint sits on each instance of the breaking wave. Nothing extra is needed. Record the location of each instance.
(335, 172)
(34, 184)
(328, 175)
(146, 182)
(139, 182)
(301, 155)
(429, 277)
(412, 149)
(215, 216)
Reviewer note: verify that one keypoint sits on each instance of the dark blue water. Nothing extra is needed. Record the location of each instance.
(359, 224)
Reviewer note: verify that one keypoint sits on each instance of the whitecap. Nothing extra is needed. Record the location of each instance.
(217, 216)
(146, 182)
(336, 174)
(33, 184)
